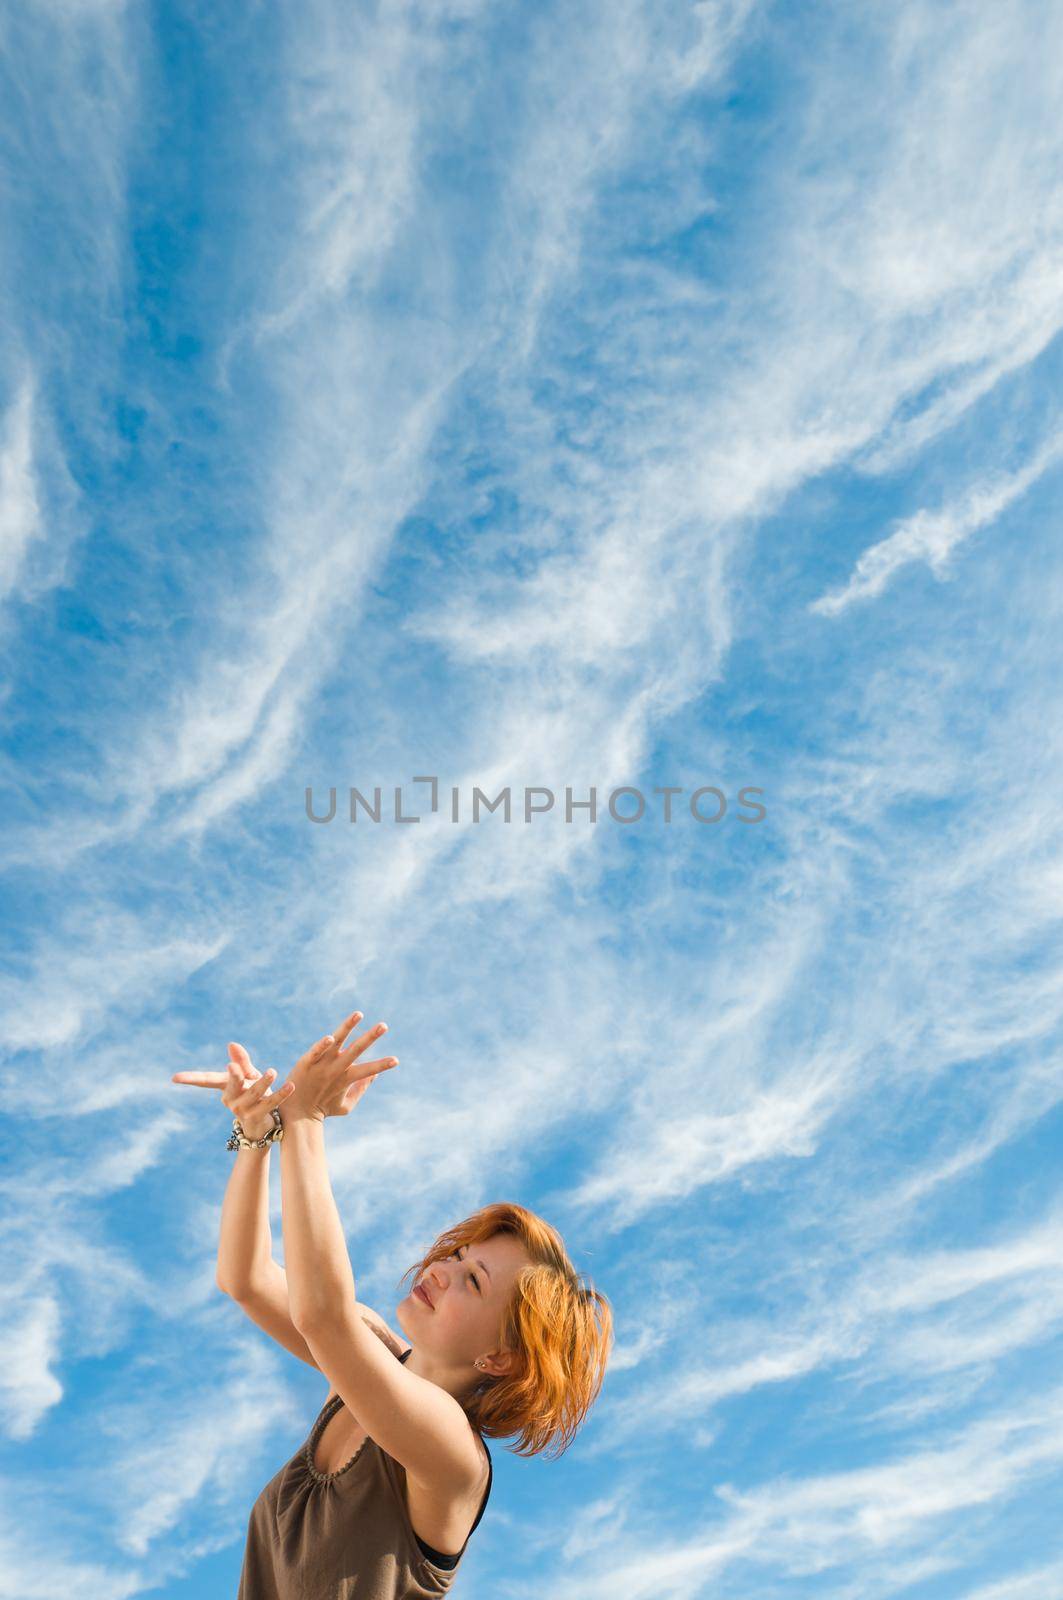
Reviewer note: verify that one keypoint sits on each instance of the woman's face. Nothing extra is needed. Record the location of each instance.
(469, 1292)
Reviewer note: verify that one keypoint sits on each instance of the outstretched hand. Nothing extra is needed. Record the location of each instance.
(247, 1092)
(328, 1081)
(325, 1082)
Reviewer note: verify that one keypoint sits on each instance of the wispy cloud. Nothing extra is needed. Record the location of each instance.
(932, 536)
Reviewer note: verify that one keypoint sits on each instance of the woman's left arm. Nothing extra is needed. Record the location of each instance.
(316, 1261)
(412, 1419)
(315, 1251)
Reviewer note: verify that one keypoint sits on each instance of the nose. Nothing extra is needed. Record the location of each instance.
(441, 1270)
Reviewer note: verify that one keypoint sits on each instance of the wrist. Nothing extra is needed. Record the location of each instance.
(255, 1127)
(266, 1129)
(259, 1151)
(293, 1116)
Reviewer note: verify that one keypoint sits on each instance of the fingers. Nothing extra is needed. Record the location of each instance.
(370, 1069)
(356, 1088)
(346, 1025)
(235, 1084)
(362, 1042)
(263, 1089)
(241, 1083)
(316, 1052)
(365, 1040)
(261, 1086)
(243, 1061)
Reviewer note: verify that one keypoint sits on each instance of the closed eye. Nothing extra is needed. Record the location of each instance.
(473, 1275)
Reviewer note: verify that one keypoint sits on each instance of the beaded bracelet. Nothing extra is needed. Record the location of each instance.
(238, 1139)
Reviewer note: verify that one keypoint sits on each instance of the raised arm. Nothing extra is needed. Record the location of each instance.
(412, 1419)
(245, 1244)
(319, 1269)
(315, 1250)
(246, 1270)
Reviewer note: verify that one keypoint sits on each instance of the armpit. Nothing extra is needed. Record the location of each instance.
(375, 1321)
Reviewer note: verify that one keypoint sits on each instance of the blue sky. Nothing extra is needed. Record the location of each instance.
(639, 394)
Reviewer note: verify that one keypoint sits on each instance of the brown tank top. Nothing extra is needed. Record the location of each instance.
(342, 1535)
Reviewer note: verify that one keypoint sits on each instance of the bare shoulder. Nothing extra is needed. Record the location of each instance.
(394, 1341)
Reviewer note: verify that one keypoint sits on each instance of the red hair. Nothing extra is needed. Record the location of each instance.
(561, 1330)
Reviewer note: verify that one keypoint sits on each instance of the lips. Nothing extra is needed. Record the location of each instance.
(421, 1290)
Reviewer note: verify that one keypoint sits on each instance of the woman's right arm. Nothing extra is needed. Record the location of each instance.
(245, 1249)
(245, 1245)
(246, 1270)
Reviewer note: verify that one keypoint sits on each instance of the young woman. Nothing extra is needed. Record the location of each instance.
(381, 1499)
